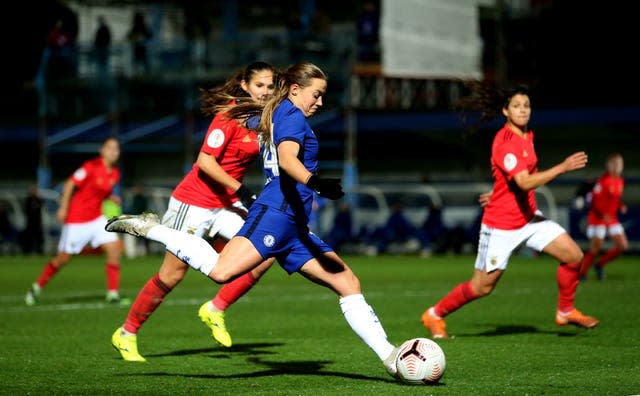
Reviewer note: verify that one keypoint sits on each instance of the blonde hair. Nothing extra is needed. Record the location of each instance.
(300, 74)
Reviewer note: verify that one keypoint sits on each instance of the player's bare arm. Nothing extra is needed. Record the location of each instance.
(289, 162)
(210, 166)
(65, 198)
(483, 199)
(528, 181)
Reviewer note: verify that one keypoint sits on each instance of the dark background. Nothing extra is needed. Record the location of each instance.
(578, 52)
(576, 56)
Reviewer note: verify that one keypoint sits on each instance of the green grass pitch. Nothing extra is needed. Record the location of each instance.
(290, 337)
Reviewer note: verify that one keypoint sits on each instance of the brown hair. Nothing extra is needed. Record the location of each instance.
(484, 102)
(300, 73)
(613, 155)
(216, 99)
(109, 138)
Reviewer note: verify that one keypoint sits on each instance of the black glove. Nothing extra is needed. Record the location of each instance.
(247, 197)
(327, 188)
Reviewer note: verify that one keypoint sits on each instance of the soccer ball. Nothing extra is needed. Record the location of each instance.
(420, 361)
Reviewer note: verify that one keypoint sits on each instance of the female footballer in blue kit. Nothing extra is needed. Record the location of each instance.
(276, 225)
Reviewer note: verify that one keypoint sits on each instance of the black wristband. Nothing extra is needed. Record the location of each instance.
(243, 191)
(312, 183)
(247, 197)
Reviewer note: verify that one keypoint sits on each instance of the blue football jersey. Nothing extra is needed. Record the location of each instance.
(281, 191)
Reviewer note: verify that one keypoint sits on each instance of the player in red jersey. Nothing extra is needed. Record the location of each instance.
(80, 212)
(602, 219)
(511, 216)
(209, 202)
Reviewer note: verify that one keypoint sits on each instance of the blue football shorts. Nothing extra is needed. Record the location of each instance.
(276, 234)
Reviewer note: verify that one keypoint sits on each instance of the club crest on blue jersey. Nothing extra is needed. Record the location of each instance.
(269, 240)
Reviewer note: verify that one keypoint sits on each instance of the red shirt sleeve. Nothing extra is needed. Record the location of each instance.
(220, 133)
(508, 157)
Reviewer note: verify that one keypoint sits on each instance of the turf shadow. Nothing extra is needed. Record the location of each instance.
(84, 298)
(305, 367)
(517, 329)
(246, 348)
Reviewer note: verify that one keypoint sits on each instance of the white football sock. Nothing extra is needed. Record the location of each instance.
(192, 250)
(365, 324)
(125, 332)
(161, 233)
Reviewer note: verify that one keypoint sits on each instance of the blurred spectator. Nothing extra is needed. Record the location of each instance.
(368, 33)
(32, 238)
(198, 53)
(342, 230)
(473, 232)
(101, 46)
(400, 230)
(197, 27)
(316, 41)
(58, 38)
(57, 58)
(8, 232)
(460, 235)
(579, 208)
(435, 229)
(455, 239)
(134, 246)
(140, 201)
(295, 34)
(139, 36)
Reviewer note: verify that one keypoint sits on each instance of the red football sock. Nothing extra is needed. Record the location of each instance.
(113, 276)
(608, 256)
(586, 263)
(149, 298)
(567, 277)
(231, 292)
(47, 273)
(459, 296)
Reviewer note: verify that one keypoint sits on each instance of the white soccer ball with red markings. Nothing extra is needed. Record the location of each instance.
(420, 361)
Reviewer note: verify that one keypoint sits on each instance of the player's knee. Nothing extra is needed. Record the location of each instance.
(353, 280)
(484, 290)
(172, 278)
(595, 247)
(350, 282)
(623, 246)
(220, 276)
(574, 256)
(60, 260)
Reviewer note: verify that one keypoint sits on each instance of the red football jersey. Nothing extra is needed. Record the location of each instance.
(93, 184)
(510, 207)
(235, 148)
(606, 199)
